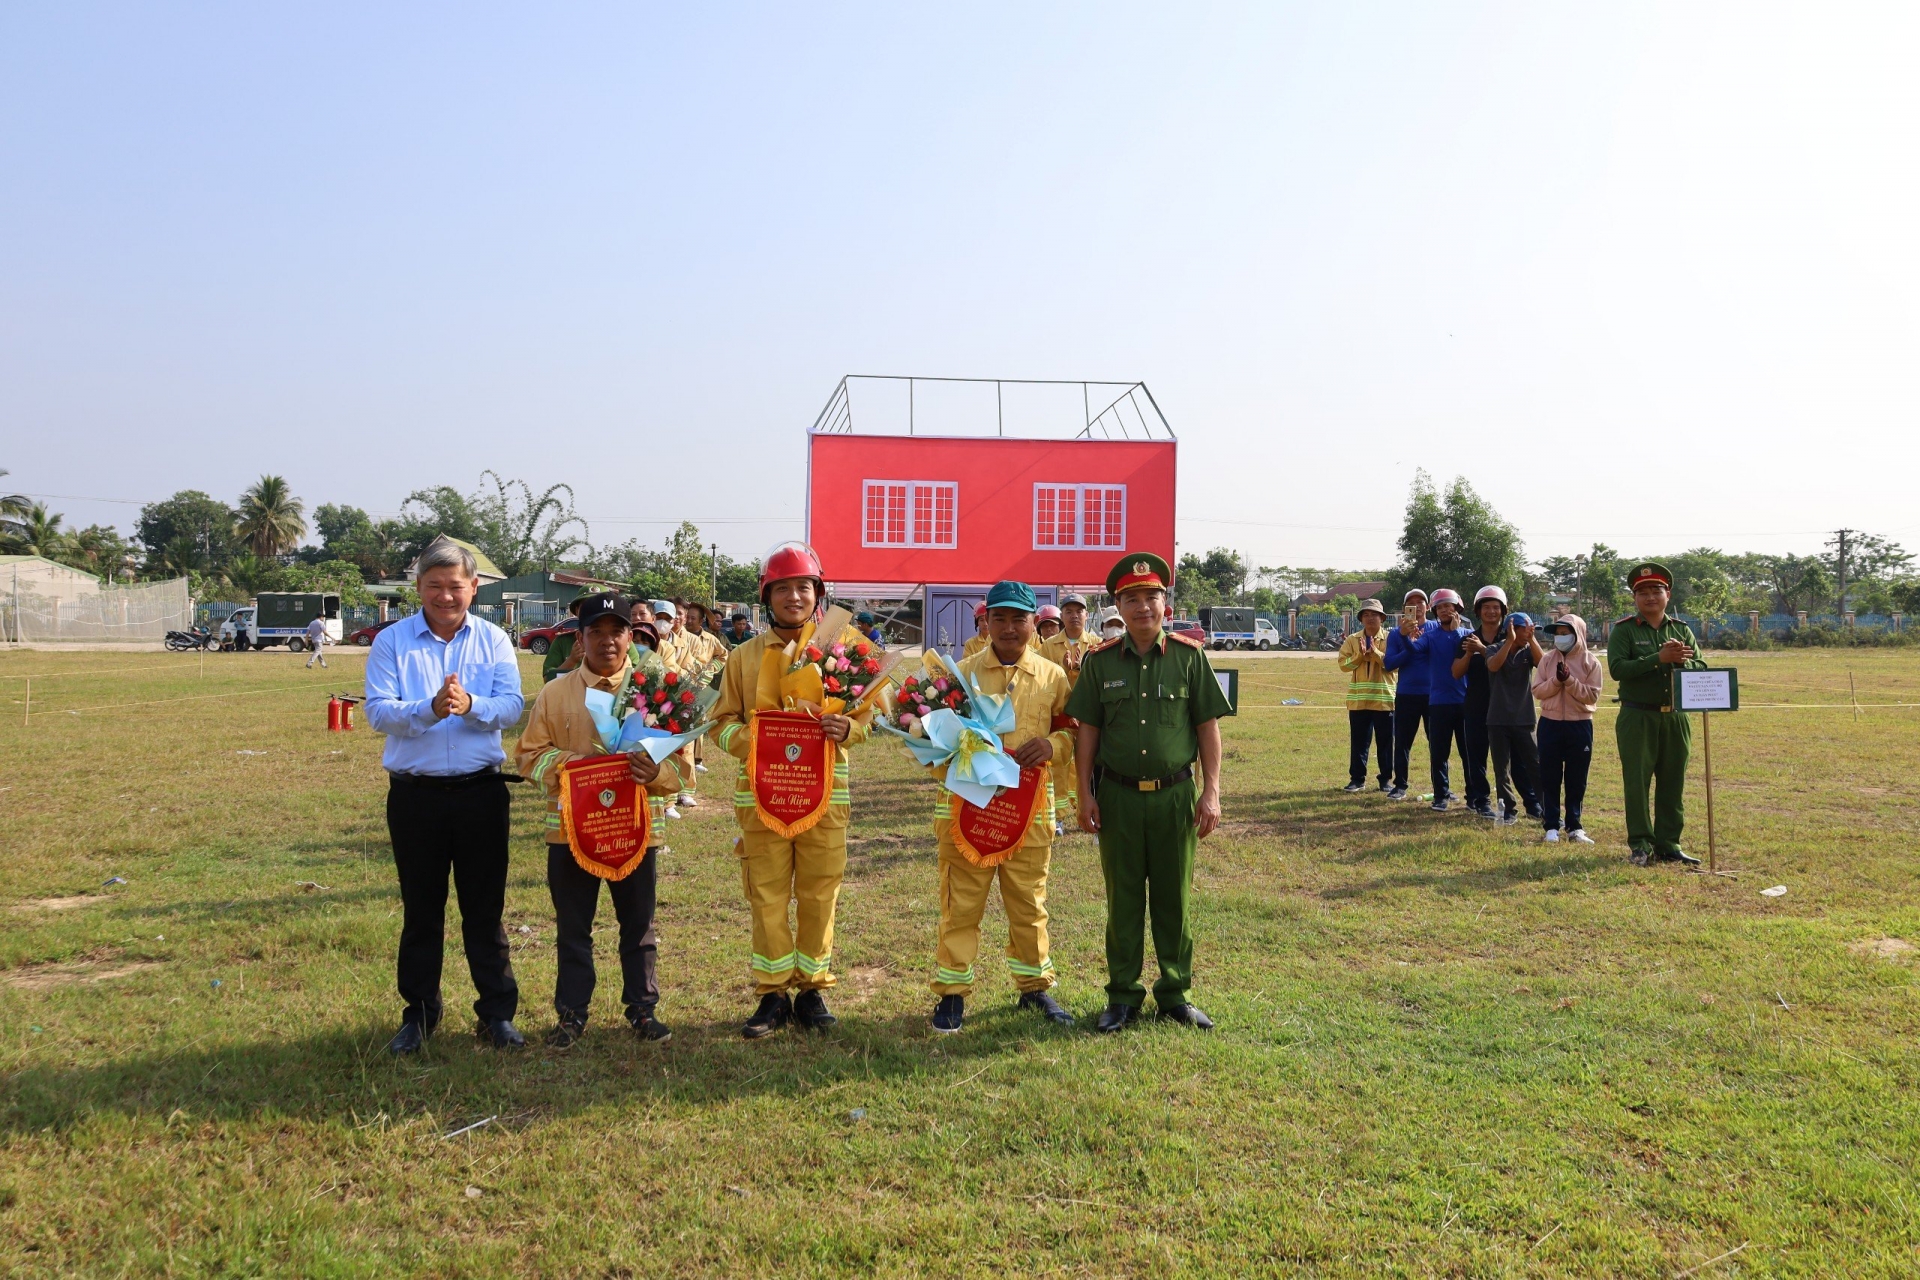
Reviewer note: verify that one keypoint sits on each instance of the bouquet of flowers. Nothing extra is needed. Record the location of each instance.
(943, 721)
(849, 671)
(923, 693)
(669, 701)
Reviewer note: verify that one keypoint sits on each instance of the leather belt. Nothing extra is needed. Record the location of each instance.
(1144, 784)
(448, 782)
(1644, 706)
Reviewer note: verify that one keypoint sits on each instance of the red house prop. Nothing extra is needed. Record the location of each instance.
(938, 487)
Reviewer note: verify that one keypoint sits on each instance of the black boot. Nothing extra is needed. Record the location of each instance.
(1116, 1017)
(810, 1011)
(1048, 1008)
(1678, 855)
(774, 1013)
(948, 1014)
(501, 1034)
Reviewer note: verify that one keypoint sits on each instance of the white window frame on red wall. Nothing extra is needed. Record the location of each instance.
(1048, 506)
(912, 513)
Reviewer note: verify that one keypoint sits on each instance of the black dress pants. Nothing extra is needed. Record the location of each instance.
(1364, 727)
(1409, 710)
(435, 828)
(1446, 723)
(1513, 758)
(1473, 757)
(576, 896)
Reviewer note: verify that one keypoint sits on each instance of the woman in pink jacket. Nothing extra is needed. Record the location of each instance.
(1567, 684)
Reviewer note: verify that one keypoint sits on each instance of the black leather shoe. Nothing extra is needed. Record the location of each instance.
(565, 1034)
(1640, 857)
(774, 1013)
(1046, 1006)
(648, 1027)
(1680, 856)
(1116, 1017)
(948, 1014)
(502, 1034)
(411, 1038)
(810, 1011)
(1188, 1015)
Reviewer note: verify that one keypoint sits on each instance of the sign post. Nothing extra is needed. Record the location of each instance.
(1717, 689)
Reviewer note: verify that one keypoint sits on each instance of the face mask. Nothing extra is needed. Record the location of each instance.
(1564, 643)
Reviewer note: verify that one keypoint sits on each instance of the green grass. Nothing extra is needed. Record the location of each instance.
(1443, 1048)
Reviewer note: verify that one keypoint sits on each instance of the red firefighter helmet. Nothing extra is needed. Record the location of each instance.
(791, 560)
(1048, 613)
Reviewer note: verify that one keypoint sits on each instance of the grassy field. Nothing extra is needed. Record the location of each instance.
(1444, 1048)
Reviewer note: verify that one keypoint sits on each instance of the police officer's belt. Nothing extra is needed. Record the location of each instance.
(1644, 706)
(1144, 784)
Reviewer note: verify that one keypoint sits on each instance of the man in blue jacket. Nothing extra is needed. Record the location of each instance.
(1410, 694)
(1439, 647)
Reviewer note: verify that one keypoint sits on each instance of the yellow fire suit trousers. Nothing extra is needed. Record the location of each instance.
(1066, 798)
(805, 871)
(963, 900)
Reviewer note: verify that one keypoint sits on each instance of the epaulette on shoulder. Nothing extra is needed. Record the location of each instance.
(1106, 644)
(1620, 622)
(1186, 639)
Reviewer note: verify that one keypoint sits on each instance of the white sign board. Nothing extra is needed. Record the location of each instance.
(1706, 691)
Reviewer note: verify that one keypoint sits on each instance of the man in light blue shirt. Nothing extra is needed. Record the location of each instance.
(441, 685)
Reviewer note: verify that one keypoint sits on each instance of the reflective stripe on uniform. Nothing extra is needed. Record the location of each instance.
(760, 963)
(954, 975)
(1025, 970)
(808, 965)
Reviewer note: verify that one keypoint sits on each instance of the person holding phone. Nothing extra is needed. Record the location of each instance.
(1489, 633)
(1440, 648)
(1510, 669)
(1410, 690)
(1567, 685)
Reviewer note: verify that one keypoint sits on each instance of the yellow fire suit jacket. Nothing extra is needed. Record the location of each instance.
(559, 730)
(1060, 645)
(1039, 694)
(732, 719)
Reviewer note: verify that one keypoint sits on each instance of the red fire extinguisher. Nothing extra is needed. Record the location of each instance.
(347, 702)
(335, 714)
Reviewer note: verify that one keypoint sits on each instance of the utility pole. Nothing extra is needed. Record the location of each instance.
(715, 594)
(1841, 535)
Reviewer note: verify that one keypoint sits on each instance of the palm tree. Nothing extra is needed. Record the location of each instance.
(272, 520)
(13, 509)
(37, 533)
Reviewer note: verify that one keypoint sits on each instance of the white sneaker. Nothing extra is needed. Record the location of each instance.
(1579, 837)
(1553, 837)
(699, 768)
(687, 802)
(673, 813)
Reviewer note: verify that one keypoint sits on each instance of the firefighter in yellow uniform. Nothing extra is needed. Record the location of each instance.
(699, 650)
(978, 640)
(777, 871)
(1009, 664)
(1064, 648)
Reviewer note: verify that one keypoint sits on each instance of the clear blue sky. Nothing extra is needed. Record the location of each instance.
(1647, 274)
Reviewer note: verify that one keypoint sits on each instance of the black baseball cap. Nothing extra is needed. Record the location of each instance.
(593, 608)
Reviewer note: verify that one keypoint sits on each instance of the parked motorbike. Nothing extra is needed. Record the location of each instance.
(189, 640)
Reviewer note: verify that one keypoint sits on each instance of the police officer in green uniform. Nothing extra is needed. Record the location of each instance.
(1148, 706)
(1655, 740)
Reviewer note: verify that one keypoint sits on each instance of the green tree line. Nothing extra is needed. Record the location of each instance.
(1453, 536)
(263, 541)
